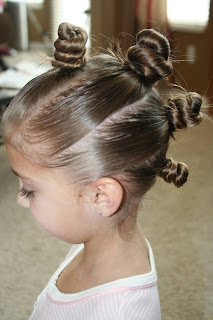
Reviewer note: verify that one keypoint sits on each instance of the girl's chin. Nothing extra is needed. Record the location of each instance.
(52, 236)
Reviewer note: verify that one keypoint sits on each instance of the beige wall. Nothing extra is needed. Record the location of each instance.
(109, 18)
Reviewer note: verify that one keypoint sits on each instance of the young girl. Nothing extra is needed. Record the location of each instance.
(87, 140)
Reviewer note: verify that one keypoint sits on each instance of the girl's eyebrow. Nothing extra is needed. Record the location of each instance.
(20, 176)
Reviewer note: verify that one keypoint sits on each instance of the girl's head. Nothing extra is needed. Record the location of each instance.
(103, 117)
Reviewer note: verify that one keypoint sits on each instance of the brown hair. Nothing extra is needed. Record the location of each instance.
(103, 117)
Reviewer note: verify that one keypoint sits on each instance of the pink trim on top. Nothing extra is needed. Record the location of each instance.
(104, 293)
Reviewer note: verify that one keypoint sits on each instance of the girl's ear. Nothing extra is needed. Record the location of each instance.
(106, 195)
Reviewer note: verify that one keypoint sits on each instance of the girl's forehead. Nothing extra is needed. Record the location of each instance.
(29, 171)
(25, 169)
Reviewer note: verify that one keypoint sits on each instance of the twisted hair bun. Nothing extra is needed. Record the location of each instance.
(70, 47)
(174, 172)
(185, 110)
(150, 56)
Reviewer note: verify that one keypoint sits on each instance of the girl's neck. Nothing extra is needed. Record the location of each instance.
(114, 252)
(105, 260)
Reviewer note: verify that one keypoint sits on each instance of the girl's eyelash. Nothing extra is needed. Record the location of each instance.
(25, 193)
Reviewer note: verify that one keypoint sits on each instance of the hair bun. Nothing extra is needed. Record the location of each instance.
(150, 56)
(174, 172)
(185, 110)
(70, 47)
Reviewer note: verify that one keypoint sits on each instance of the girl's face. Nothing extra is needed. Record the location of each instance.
(56, 204)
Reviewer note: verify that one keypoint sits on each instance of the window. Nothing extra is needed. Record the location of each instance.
(188, 14)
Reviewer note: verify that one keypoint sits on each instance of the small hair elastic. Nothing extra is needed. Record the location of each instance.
(171, 123)
(138, 68)
(165, 162)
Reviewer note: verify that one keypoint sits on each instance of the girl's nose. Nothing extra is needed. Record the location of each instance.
(22, 201)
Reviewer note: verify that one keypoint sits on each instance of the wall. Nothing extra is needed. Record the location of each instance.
(110, 18)
(43, 15)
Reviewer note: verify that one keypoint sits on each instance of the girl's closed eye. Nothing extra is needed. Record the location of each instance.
(25, 193)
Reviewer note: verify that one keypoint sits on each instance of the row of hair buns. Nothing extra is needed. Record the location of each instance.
(183, 112)
(150, 58)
